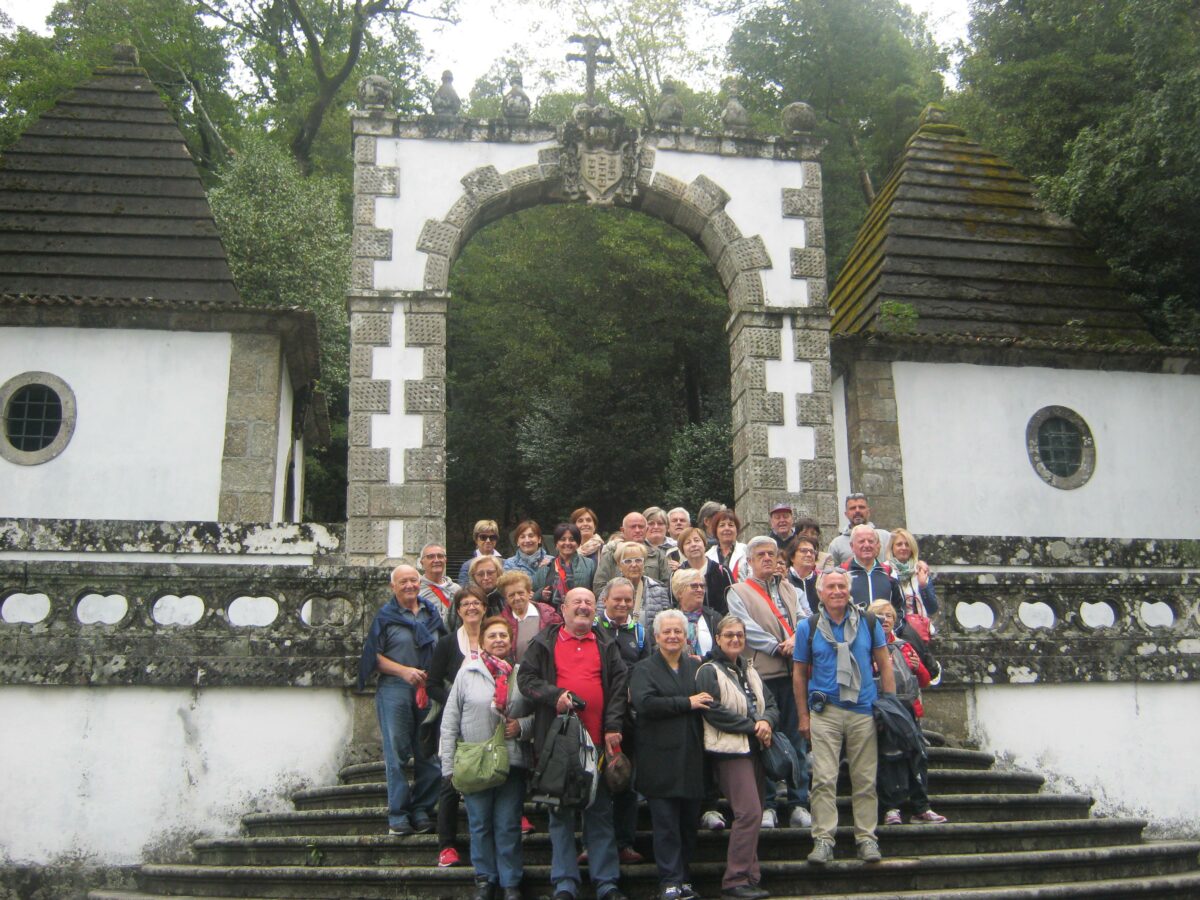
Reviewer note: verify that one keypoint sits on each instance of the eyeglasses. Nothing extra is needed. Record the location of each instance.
(435, 555)
(695, 586)
(467, 603)
(806, 551)
(633, 561)
(735, 636)
(486, 537)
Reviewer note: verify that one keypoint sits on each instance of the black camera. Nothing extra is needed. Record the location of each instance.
(816, 703)
(578, 703)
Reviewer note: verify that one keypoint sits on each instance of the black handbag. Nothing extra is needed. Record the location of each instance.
(779, 761)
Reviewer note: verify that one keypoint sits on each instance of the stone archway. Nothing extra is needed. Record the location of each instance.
(424, 185)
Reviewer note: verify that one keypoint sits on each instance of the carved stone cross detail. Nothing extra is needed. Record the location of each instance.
(589, 58)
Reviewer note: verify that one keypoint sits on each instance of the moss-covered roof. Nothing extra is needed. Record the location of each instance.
(956, 242)
(99, 198)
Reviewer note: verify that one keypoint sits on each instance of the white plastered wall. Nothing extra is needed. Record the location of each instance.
(430, 175)
(113, 774)
(150, 429)
(1131, 746)
(966, 469)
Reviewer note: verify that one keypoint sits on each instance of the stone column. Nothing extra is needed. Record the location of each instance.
(876, 467)
(782, 414)
(397, 467)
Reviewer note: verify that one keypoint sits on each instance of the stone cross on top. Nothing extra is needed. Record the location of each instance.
(589, 58)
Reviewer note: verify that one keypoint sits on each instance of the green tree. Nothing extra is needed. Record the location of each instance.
(700, 467)
(867, 67)
(303, 56)
(580, 341)
(289, 246)
(1099, 103)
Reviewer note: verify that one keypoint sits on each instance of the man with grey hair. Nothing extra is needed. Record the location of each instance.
(399, 647)
(435, 585)
(633, 528)
(871, 580)
(857, 513)
(835, 698)
(679, 520)
(577, 659)
(767, 607)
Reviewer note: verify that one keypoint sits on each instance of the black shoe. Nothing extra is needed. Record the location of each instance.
(422, 824)
(744, 892)
(512, 893)
(484, 890)
(402, 830)
(687, 892)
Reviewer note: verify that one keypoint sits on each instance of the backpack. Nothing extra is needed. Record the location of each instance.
(568, 769)
(907, 689)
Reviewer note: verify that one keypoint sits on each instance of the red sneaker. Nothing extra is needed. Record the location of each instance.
(630, 857)
(448, 858)
(527, 826)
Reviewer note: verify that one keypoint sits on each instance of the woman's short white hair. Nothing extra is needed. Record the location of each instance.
(683, 577)
(628, 547)
(669, 614)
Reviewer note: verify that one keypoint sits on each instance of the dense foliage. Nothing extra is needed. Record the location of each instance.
(581, 343)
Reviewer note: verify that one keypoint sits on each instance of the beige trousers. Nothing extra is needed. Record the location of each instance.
(829, 729)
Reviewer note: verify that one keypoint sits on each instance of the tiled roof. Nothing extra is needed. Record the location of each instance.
(957, 238)
(100, 199)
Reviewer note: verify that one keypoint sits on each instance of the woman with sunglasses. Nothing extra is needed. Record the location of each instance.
(486, 535)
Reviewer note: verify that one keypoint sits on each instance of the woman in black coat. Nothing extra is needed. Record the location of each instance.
(670, 764)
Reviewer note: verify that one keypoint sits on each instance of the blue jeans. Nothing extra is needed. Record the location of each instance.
(494, 817)
(396, 709)
(598, 839)
(789, 727)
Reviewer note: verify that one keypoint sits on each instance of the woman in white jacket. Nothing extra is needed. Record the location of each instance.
(478, 703)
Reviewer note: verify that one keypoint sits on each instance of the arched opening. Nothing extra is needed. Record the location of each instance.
(587, 364)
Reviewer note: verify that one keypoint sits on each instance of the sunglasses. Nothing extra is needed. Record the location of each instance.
(486, 537)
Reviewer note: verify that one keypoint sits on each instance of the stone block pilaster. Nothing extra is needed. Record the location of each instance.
(248, 463)
(876, 467)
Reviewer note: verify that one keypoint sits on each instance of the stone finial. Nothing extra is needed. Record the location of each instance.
(799, 118)
(935, 118)
(515, 104)
(125, 54)
(670, 107)
(734, 117)
(445, 99)
(376, 92)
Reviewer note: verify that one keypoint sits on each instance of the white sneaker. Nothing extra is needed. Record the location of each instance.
(801, 818)
(769, 819)
(712, 820)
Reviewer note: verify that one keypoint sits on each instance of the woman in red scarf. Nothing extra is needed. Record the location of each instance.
(477, 704)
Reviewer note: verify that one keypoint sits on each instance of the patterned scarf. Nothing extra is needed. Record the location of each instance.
(693, 632)
(500, 670)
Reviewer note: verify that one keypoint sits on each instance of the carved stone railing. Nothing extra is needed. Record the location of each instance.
(1053, 610)
(184, 625)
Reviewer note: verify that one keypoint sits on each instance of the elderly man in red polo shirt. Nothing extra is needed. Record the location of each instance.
(579, 660)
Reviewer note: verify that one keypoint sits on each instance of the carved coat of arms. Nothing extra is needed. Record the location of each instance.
(599, 158)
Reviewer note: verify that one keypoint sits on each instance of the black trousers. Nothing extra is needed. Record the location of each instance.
(675, 822)
(447, 816)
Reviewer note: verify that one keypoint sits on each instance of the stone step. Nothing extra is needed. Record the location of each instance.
(939, 758)
(774, 844)
(941, 782)
(957, 807)
(843, 876)
(1185, 884)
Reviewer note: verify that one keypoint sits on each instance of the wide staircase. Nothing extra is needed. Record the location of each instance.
(1006, 839)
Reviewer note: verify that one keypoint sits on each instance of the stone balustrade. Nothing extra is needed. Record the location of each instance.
(69, 623)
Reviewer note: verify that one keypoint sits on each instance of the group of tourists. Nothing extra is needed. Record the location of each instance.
(689, 667)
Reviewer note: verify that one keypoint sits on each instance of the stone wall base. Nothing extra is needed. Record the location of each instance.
(67, 881)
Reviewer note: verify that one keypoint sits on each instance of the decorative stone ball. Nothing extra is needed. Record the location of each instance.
(445, 100)
(800, 118)
(670, 107)
(375, 92)
(515, 104)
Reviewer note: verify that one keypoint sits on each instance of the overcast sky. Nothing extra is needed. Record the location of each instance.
(489, 29)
